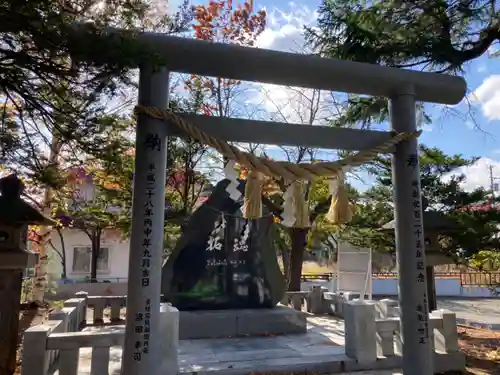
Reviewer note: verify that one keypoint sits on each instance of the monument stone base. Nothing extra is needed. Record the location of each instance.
(204, 324)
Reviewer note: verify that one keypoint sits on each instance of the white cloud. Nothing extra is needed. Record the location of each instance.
(285, 32)
(493, 49)
(478, 174)
(426, 128)
(482, 68)
(487, 96)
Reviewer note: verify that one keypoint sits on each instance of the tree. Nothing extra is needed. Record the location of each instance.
(54, 99)
(441, 189)
(222, 22)
(306, 107)
(89, 210)
(185, 178)
(439, 36)
(436, 35)
(50, 99)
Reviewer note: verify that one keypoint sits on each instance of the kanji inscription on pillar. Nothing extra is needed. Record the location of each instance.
(418, 230)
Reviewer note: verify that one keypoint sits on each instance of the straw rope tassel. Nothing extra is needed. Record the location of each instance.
(288, 214)
(340, 211)
(300, 205)
(252, 208)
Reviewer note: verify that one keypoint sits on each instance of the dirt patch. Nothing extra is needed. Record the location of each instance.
(482, 350)
(28, 317)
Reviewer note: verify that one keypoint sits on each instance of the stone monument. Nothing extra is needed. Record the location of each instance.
(222, 260)
(225, 267)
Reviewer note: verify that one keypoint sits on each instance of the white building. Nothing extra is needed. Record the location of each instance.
(75, 246)
(112, 264)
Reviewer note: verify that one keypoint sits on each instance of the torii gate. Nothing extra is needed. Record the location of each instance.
(402, 87)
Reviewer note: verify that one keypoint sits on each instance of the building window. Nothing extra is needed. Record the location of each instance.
(82, 259)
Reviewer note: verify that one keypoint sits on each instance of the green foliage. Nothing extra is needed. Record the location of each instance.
(441, 189)
(477, 231)
(439, 36)
(92, 214)
(486, 260)
(373, 209)
(51, 96)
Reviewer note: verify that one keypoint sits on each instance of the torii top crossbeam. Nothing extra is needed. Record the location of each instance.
(205, 58)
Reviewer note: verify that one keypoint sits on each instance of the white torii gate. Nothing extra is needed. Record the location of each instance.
(402, 87)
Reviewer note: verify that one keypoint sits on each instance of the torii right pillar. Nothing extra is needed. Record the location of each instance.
(410, 244)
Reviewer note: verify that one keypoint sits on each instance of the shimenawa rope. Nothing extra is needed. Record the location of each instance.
(278, 169)
(339, 212)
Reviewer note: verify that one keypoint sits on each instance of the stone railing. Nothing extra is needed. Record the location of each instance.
(319, 301)
(381, 334)
(55, 345)
(39, 356)
(69, 344)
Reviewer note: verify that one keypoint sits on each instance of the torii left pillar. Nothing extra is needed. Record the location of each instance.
(141, 354)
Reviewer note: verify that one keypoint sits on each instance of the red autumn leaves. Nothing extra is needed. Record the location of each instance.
(223, 22)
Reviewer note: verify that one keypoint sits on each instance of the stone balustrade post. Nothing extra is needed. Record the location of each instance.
(63, 316)
(385, 335)
(446, 338)
(169, 345)
(315, 300)
(35, 357)
(98, 305)
(296, 301)
(85, 296)
(360, 331)
(116, 305)
(386, 308)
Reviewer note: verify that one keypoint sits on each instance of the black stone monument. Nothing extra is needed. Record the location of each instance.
(222, 260)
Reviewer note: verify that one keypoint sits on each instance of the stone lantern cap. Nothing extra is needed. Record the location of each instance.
(434, 221)
(14, 210)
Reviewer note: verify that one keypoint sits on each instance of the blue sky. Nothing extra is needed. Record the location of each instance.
(454, 129)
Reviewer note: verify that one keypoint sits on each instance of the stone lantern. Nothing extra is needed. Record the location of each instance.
(15, 216)
(435, 224)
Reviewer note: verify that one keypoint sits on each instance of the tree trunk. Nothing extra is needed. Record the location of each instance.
(96, 250)
(41, 270)
(63, 254)
(285, 256)
(10, 295)
(431, 288)
(298, 238)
